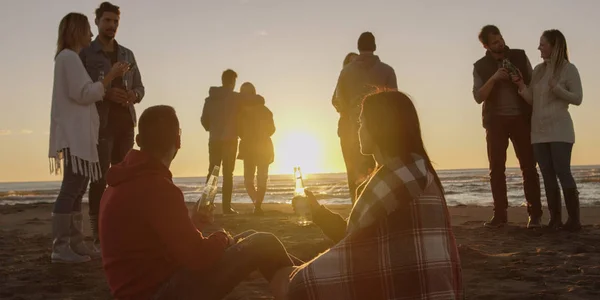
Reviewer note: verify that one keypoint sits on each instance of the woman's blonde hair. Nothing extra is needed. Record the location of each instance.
(560, 53)
(72, 30)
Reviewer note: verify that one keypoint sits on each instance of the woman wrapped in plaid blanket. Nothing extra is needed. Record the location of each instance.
(397, 242)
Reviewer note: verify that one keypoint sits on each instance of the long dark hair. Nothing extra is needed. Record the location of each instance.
(392, 121)
(560, 52)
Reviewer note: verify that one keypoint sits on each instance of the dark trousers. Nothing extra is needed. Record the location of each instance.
(223, 153)
(252, 169)
(253, 251)
(113, 146)
(72, 189)
(554, 160)
(357, 165)
(517, 129)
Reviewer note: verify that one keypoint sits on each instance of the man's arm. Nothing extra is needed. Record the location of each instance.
(205, 118)
(338, 98)
(481, 91)
(168, 217)
(137, 85)
(392, 82)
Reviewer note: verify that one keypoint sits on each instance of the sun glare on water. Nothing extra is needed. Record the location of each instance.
(297, 148)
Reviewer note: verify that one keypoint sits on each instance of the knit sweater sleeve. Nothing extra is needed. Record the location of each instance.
(80, 86)
(572, 91)
(527, 93)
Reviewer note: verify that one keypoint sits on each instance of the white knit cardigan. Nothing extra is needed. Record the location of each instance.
(74, 121)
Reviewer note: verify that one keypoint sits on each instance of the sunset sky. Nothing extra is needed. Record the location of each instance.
(292, 51)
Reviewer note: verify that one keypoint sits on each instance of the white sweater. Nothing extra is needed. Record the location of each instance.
(74, 121)
(551, 121)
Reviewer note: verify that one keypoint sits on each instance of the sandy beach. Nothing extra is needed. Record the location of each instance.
(507, 263)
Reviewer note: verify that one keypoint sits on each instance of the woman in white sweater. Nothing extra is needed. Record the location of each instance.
(74, 135)
(554, 86)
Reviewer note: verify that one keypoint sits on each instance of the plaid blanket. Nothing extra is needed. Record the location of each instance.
(399, 244)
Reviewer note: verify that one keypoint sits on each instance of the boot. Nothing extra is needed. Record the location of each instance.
(94, 226)
(498, 220)
(61, 246)
(260, 197)
(572, 203)
(77, 243)
(555, 208)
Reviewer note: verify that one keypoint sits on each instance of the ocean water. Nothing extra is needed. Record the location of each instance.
(463, 187)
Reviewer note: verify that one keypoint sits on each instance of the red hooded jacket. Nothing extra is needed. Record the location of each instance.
(145, 232)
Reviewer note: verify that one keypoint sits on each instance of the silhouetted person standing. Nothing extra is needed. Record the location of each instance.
(362, 76)
(506, 116)
(219, 118)
(117, 112)
(255, 128)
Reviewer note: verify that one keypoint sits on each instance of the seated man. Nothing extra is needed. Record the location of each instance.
(151, 249)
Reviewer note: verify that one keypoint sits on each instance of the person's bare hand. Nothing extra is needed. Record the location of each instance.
(312, 200)
(518, 80)
(117, 95)
(501, 74)
(552, 83)
(118, 69)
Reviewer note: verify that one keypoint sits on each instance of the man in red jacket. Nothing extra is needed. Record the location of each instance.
(151, 249)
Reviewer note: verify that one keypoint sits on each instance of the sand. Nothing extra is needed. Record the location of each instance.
(507, 263)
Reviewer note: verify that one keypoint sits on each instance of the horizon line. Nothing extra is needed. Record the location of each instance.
(323, 173)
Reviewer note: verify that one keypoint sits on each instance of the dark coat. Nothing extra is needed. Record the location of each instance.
(255, 128)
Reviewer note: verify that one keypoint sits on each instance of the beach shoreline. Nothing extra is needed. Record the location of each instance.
(506, 263)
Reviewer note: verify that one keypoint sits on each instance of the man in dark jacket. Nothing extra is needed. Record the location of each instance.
(219, 118)
(117, 112)
(364, 75)
(506, 116)
(151, 249)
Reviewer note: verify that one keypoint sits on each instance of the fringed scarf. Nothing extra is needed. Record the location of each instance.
(78, 166)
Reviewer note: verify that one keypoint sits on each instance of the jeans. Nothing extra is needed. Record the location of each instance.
(517, 129)
(223, 153)
(72, 189)
(253, 251)
(113, 146)
(357, 164)
(554, 160)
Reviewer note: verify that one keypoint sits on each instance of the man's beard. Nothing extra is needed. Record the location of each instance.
(499, 51)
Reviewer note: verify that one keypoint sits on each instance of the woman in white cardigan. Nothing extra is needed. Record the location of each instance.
(74, 135)
(554, 86)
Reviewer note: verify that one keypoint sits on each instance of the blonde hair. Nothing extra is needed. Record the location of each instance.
(72, 30)
(560, 53)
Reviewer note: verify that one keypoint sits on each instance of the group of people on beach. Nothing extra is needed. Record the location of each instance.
(397, 241)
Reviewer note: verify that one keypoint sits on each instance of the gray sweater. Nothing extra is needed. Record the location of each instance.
(359, 78)
(551, 121)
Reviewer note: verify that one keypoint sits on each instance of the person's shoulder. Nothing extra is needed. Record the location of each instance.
(156, 184)
(125, 49)
(65, 55)
(481, 60)
(570, 66)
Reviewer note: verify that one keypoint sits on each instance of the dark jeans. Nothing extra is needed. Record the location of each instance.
(253, 251)
(72, 189)
(554, 160)
(357, 164)
(260, 170)
(223, 153)
(517, 129)
(113, 146)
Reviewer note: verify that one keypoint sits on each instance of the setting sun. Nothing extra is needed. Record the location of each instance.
(298, 148)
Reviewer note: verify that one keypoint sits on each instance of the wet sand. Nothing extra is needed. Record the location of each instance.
(506, 263)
